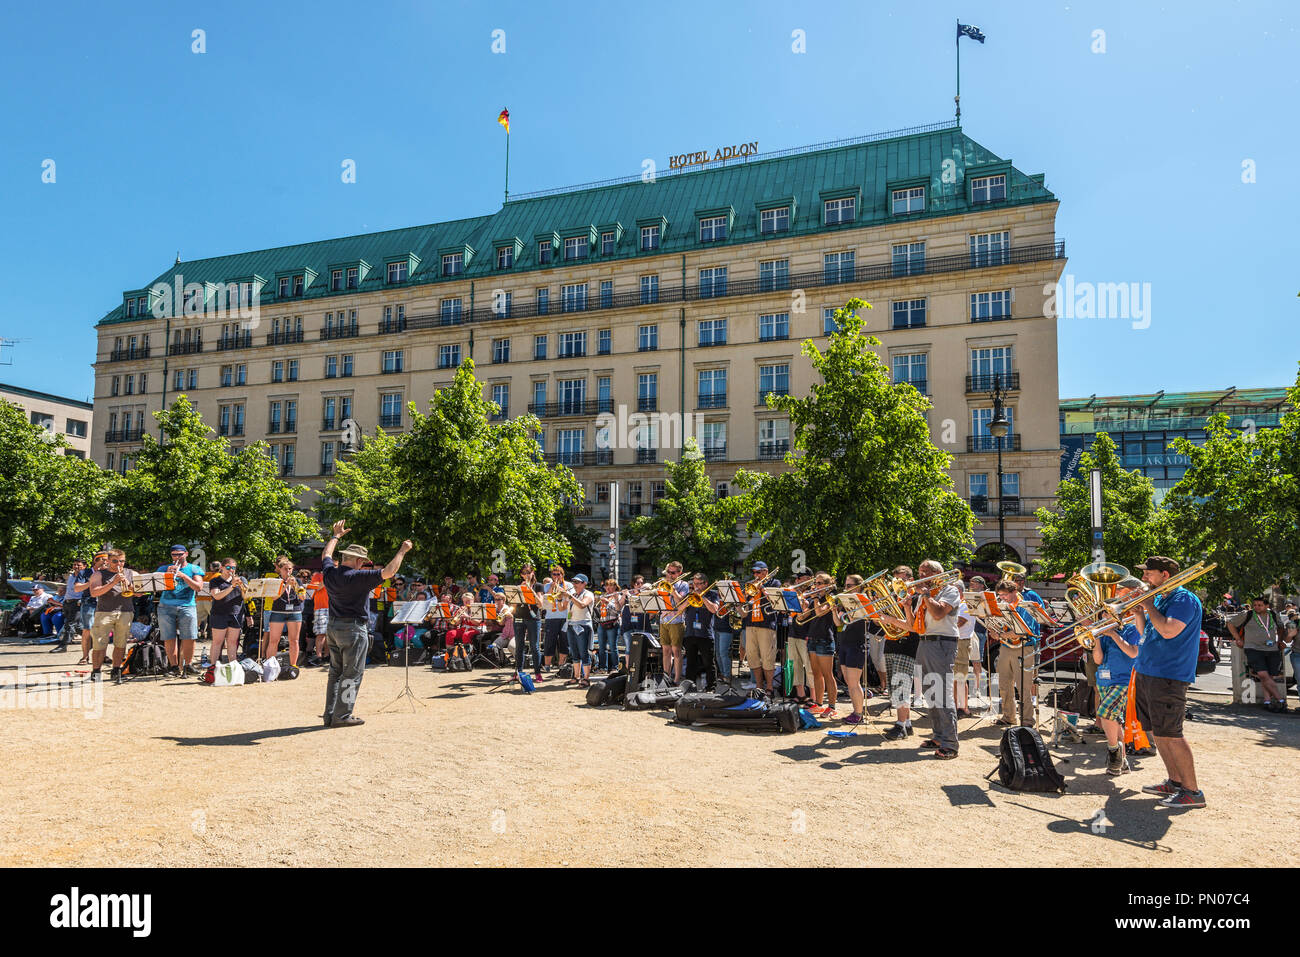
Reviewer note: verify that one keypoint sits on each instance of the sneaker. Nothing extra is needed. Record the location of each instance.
(1166, 788)
(826, 712)
(116, 675)
(854, 718)
(897, 732)
(96, 676)
(1185, 798)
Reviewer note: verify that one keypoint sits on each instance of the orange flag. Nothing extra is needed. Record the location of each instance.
(504, 119)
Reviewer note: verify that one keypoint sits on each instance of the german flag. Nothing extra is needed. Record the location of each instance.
(504, 119)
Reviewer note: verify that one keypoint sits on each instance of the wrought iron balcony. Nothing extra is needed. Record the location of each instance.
(241, 340)
(715, 453)
(987, 443)
(121, 355)
(124, 435)
(390, 421)
(550, 410)
(648, 403)
(185, 348)
(284, 337)
(583, 458)
(1008, 381)
(918, 384)
(713, 400)
(773, 450)
(764, 393)
(340, 331)
(646, 456)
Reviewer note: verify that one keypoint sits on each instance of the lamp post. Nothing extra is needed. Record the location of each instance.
(998, 428)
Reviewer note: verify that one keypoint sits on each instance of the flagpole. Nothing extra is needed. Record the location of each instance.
(957, 99)
(507, 199)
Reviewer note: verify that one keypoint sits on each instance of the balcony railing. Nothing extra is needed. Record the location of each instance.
(124, 435)
(284, 337)
(242, 340)
(764, 393)
(587, 458)
(1008, 381)
(327, 468)
(984, 505)
(185, 348)
(393, 421)
(646, 456)
(917, 384)
(714, 400)
(715, 453)
(987, 443)
(649, 403)
(546, 410)
(327, 425)
(273, 428)
(881, 271)
(339, 332)
(399, 325)
(121, 355)
(773, 450)
(290, 425)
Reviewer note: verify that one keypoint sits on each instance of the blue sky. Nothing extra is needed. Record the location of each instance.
(159, 149)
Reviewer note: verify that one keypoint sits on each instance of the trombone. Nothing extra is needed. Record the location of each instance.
(1112, 612)
(815, 593)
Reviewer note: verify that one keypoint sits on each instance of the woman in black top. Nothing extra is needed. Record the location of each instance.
(286, 612)
(820, 631)
(227, 593)
(852, 646)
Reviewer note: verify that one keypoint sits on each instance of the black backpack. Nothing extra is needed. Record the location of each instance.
(458, 659)
(1025, 765)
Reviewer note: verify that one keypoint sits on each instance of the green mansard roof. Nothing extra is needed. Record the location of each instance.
(802, 179)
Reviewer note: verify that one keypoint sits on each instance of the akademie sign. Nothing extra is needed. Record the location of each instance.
(720, 154)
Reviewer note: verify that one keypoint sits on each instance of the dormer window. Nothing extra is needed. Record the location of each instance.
(453, 264)
(840, 210)
(399, 271)
(284, 287)
(130, 308)
(607, 243)
(774, 220)
(336, 280)
(575, 247)
(713, 229)
(353, 273)
(988, 189)
(908, 200)
(649, 237)
(544, 251)
(297, 285)
(505, 257)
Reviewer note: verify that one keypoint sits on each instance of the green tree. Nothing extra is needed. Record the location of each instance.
(466, 491)
(1133, 527)
(191, 488)
(690, 523)
(865, 487)
(1238, 504)
(51, 504)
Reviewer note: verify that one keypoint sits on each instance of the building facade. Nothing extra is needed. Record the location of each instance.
(70, 418)
(1143, 426)
(686, 298)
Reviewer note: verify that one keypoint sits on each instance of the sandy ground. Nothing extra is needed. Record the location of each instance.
(174, 773)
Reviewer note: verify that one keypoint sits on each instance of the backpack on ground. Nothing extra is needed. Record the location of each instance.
(565, 670)
(1024, 763)
(739, 712)
(458, 659)
(607, 691)
(144, 658)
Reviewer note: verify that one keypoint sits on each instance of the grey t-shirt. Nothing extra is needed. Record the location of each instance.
(1259, 631)
(947, 625)
(113, 600)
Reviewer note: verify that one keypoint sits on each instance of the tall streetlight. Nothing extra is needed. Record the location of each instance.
(998, 428)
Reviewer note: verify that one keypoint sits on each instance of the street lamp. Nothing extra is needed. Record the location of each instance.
(998, 428)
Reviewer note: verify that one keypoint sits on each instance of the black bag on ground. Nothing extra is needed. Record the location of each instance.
(564, 671)
(458, 659)
(1024, 763)
(144, 658)
(608, 690)
(739, 712)
(661, 698)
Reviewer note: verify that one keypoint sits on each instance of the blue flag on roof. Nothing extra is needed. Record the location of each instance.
(969, 31)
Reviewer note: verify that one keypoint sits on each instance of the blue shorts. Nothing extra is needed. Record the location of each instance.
(178, 621)
(280, 617)
(822, 646)
(87, 615)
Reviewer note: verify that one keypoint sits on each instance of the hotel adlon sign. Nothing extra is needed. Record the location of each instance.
(720, 154)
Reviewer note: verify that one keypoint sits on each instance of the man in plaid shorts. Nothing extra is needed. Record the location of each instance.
(1113, 654)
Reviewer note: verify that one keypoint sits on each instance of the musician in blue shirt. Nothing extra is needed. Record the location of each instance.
(1166, 666)
(178, 616)
(1114, 653)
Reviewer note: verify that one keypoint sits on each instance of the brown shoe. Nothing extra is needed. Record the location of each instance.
(349, 722)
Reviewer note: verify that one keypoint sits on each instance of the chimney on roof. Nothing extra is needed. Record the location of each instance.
(178, 257)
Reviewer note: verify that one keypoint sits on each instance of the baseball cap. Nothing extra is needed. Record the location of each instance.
(1159, 563)
(180, 548)
(580, 578)
(758, 567)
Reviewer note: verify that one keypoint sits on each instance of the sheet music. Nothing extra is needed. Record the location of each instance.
(148, 583)
(411, 612)
(730, 592)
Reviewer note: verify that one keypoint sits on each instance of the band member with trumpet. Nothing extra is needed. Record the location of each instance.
(286, 612)
(1166, 666)
(114, 594)
(178, 615)
(796, 647)
(760, 630)
(609, 608)
(1113, 653)
(672, 623)
(1017, 665)
(820, 631)
(697, 624)
(555, 599)
(852, 648)
(579, 633)
(226, 618)
(900, 661)
(528, 623)
(938, 603)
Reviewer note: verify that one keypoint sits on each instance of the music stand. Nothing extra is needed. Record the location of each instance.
(652, 604)
(482, 613)
(409, 613)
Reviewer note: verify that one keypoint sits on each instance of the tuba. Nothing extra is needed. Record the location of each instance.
(1088, 592)
(1010, 570)
(1115, 611)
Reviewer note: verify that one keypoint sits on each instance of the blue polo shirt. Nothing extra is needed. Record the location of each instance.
(1116, 667)
(1173, 658)
(182, 594)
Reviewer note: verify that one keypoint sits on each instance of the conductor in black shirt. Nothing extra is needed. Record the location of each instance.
(348, 586)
